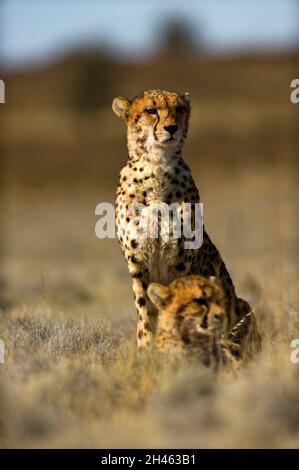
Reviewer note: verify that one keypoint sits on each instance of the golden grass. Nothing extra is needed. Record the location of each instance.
(79, 384)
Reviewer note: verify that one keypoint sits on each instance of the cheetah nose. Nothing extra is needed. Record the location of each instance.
(171, 129)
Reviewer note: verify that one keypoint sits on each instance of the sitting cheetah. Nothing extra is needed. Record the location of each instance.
(192, 321)
(157, 125)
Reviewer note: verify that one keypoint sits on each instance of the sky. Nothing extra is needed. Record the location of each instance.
(32, 30)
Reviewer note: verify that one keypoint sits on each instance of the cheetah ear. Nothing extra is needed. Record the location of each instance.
(158, 294)
(187, 96)
(121, 107)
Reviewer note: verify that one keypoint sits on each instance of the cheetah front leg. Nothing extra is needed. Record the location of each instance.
(146, 312)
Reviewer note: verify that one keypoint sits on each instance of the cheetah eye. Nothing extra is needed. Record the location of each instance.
(218, 316)
(181, 109)
(201, 301)
(151, 110)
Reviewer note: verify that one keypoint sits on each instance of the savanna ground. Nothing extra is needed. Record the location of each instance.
(72, 377)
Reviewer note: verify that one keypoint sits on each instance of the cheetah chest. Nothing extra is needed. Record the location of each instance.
(156, 245)
(152, 223)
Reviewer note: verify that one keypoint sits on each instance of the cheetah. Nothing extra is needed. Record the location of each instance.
(155, 172)
(192, 321)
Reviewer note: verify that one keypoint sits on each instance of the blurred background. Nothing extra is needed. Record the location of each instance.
(62, 149)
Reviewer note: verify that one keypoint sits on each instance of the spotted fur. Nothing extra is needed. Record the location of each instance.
(192, 321)
(157, 125)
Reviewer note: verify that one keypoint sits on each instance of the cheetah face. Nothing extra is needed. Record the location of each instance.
(199, 319)
(156, 119)
(192, 306)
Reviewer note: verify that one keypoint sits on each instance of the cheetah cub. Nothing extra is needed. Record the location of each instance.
(192, 321)
(155, 172)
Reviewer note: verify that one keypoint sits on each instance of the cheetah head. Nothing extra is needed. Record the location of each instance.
(192, 306)
(156, 119)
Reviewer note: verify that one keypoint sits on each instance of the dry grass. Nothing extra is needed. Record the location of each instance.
(80, 384)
